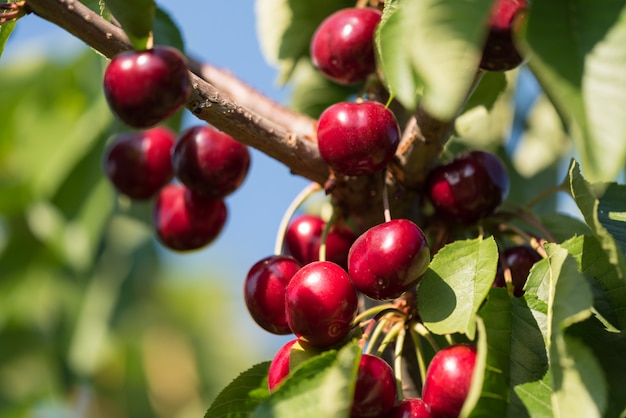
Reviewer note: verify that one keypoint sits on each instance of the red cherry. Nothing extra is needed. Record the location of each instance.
(264, 291)
(144, 88)
(468, 188)
(321, 303)
(410, 408)
(375, 390)
(138, 163)
(304, 237)
(448, 380)
(185, 221)
(500, 52)
(279, 367)
(357, 138)
(520, 260)
(342, 47)
(210, 162)
(388, 259)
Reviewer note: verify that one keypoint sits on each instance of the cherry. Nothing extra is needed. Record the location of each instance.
(288, 357)
(143, 88)
(468, 188)
(500, 52)
(304, 237)
(357, 138)
(321, 303)
(342, 47)
(264, 291)
(448, 380)
(410, 408)
(519, 259)
(138, 163)
(375, 390)
(388, 259)
(185, 221)
(210, 162)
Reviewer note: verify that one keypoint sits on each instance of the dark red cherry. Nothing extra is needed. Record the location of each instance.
(519, 259)
(264, 291)
(138, 163)
(388, 259)
(210, 162)
(500, 52)
(410, 408)
(321, 303)
(185, 221)
(143, 88)
(304, 237)
(468, 188)
(448, 380)
(375, 390)
(357, 138)
(342, 47)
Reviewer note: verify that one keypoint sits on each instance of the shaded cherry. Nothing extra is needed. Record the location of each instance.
(375, 390)
(304, 237)
(321, 303)
(138, 163)
(468, 188)
(519, 259)
(410, 408)
(500, 52)
(209, 161)
(185, 221)
(357, 139)
(388, 259)
(448, 380)
(264, 291)
(342, 47)
(143, 88)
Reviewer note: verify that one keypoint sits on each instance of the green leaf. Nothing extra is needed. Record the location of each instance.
(242, 395)
(455, 285)
(136, 18)
(166, 31)
(442, 54)
(496, 316)
(578, 56)
(313, 392)
(563, 226)
(5, 31)
(285, 29)
(491, 86)
(612, 212)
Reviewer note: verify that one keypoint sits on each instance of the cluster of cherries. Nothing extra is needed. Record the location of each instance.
(315, 294)
(143, 89)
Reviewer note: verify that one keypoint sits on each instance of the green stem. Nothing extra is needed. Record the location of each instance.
(397, 358)
(393, 333)
(417, 342)
(544, 194)
(291, 209)
(374, 311)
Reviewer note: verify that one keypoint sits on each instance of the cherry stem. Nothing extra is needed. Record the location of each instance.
(532, 241)
(377, 330)
(417, 342)
(327, 227)
(421, 330)
(393, 333)
(374, 311)
(544, 194)
(397, 357)
(291, 210)
(386, 210)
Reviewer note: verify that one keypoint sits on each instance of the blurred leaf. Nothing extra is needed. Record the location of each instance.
(136, 17)
(242, 395)
(456, 284)
(578, 57)
(5, 31)
(315, 391)
(563, 226)
(442, 55)
(486, 94)
(166, 31)
(285, 29)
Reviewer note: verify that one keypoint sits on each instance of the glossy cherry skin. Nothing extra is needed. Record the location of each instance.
(143, 88)
(448, 380)
(185, 221)
(210, 162)
(410, 408)
(264, 291)
(321, 303)
(375, 390)
(342, 47)
(500, 52)
(468, 188)
(279, 367)
(138, 163)
(519, 259)
(357, 139)
(304, 237)
(388, 259)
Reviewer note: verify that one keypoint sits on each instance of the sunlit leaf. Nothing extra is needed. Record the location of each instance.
(5, 31)
(455, 285)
